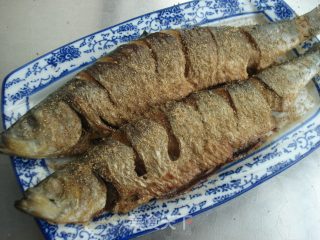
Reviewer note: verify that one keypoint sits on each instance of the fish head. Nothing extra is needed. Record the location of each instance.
(313, 18)
(65, 197)
(50, 129)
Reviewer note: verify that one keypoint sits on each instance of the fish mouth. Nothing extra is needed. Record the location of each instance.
(22, 205)
(11, 145)
(38, 206)
(32, 148)
(4, 146)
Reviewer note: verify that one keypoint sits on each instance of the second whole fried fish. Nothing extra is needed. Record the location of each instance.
(171, 148)
(163, 66)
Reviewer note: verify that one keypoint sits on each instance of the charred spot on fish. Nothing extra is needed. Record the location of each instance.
(108, 124)
(121, 137)
(202, 176)
(32, 121)
(217, 86)
(231, 102)
(133, 198)
(140, 167)
(97, 141)
(249, 147)
(252, 70)
(84, 122)
(192, 102)
(112, 195)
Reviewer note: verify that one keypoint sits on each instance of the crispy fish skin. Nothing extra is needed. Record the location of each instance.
(170, 148)
(158, 68)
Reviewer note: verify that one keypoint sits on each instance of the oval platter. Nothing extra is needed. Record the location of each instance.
(29, 84)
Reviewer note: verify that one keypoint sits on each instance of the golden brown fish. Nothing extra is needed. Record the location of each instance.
(163, 66)
(171, 148)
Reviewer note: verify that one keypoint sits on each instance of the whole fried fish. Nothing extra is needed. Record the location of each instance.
(160, 67)
(171, 147)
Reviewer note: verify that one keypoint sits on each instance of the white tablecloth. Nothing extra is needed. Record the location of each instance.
(285, 207)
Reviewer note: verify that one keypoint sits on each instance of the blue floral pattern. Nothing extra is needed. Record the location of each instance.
(170, 16)
(64, 54)
(22, 86)
(282, 11)
(229, 6)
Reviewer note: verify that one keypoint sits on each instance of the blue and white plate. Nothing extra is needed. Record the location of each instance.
(29, 84)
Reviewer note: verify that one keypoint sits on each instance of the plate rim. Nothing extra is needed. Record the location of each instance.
(38, 221)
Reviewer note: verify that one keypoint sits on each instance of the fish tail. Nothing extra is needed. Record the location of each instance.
(313, 20)
(275, 39)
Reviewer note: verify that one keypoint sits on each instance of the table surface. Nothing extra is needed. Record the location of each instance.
(285, 207)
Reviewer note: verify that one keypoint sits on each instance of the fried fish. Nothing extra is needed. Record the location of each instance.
(155, 69)
(171, 147)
